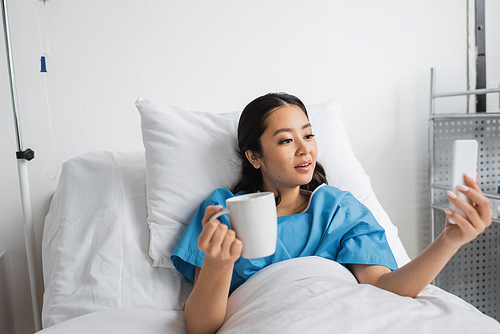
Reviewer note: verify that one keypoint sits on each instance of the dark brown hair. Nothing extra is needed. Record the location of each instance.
(251, 126)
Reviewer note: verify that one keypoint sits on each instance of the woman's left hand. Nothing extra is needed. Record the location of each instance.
(478, 215)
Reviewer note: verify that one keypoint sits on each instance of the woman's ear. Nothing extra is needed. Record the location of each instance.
(252, 158)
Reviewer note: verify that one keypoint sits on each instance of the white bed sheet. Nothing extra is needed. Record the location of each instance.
(123, 321)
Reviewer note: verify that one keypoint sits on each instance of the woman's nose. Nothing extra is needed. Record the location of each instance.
(303, 148)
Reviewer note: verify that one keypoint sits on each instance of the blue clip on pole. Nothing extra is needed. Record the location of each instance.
(44, 65)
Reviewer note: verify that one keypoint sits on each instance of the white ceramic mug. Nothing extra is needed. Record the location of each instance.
(253, 217)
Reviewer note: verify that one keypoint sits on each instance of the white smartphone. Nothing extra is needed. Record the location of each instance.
(464, 161)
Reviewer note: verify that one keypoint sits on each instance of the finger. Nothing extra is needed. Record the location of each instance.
(449, 220)
(207, 234)
(236, 248)
(470, 181)
(464, 224)
(482, 202)
(466, 208)
(209, 212)
(219, 234)
(228, 240)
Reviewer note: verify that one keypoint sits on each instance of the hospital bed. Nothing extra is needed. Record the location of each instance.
(116, 216)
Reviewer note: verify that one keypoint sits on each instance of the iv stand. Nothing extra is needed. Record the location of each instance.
(22, 163)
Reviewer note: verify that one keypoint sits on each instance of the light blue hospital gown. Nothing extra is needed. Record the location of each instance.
(335, 225)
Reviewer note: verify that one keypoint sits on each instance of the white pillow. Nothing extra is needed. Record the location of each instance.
(95, 242)
(189, 154)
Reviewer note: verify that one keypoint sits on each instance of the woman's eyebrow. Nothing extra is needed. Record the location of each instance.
(308, 125)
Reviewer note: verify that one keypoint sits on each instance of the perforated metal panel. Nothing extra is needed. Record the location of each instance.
(474, 272)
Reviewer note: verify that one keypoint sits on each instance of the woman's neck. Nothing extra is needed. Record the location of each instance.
(292, 201)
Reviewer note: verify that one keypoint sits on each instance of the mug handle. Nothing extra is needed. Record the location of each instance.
(218, 214)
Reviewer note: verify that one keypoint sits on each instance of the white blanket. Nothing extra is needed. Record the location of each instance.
(314, 295)
(305, 295)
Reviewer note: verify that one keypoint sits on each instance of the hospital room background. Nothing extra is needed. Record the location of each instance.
(373, 57)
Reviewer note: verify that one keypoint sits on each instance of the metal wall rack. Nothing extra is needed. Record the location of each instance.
(473, 274)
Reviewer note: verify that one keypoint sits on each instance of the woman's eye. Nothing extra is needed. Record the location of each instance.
(285, 141)
(311, 136)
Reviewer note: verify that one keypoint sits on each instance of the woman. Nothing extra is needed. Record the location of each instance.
(278, 150)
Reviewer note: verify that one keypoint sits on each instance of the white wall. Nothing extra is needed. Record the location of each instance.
(374, 57)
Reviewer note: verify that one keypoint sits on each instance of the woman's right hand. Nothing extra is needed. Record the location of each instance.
(216, 240)
(207, 304)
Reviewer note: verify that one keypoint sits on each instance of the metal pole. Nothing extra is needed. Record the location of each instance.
(22, 163)
(480, 55)
(468, 92)
(431, 151)
(12, 79)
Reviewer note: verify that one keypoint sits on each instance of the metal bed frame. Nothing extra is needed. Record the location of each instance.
(474, 271)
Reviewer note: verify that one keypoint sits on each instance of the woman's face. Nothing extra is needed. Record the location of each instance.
(289, 150)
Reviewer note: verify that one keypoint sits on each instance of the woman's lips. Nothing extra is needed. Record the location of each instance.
(304, 167)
